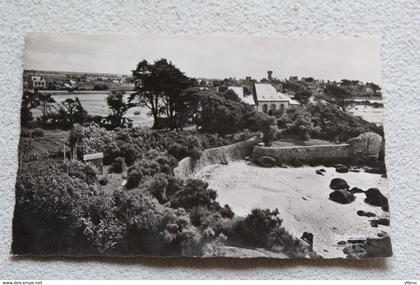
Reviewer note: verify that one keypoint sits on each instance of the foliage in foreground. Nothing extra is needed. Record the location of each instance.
(65, 208)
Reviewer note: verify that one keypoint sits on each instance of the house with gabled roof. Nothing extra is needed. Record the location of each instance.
(268, 100)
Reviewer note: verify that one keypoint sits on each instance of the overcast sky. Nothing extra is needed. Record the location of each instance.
(209, 57)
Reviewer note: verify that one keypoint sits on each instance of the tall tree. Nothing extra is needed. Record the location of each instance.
(30, 100)
(45, 101)
(119, 108)
(337, 95)
(303, 96)
(159, 87)
(73, 112)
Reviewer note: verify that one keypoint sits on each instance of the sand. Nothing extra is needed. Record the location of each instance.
(301, 196)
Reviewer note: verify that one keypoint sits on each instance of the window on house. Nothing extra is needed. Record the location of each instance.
(265, 108)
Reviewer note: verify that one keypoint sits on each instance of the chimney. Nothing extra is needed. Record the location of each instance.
(269, 73)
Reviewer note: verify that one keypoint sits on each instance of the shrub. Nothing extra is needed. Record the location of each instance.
(133, 178)
(38, 133)
(118, 165)
(157, 186)
(179, 235)
(110, 154)
(227, 212)
(254, 230)
(130, 155)
(205, 219)
(103, 181)
(77, 169)
(194, 193)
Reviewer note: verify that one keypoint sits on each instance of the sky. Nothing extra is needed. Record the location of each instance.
(208, 57)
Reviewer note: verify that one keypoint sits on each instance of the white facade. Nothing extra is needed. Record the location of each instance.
(268, 106)
(38, 82)
(269, 100)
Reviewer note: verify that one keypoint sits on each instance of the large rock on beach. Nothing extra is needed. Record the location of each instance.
(308, 237)
(378, 247)
(342, 196)
(374, 197)
(339, 183)
(267, 161)
(369, 248)
(366, 146)
(341, 168)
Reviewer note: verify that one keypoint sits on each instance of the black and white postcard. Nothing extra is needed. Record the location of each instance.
(201, 146)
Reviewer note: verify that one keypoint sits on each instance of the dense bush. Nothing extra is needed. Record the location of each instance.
(38, 132)
(134, 177)
(207, 218)
(130, 155)
(77, 169)
(193, 194)
(298, 121)
(72, 217)
(324, 121)
(118, 165)
(103, 181)
(255, 229)
(220, 115)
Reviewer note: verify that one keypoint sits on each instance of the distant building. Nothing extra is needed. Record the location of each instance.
(265, 98)
(38, 82)
(268, 100)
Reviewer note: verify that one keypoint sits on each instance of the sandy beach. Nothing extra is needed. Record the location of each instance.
(301, 196)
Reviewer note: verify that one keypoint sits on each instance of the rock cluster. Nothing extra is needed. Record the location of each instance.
(368, 248)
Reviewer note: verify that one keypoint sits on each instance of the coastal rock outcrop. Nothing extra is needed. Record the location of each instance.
(371, 247)
(374, 197)
(342, 196)
(366, 145)
(339, 183)
(341, 168)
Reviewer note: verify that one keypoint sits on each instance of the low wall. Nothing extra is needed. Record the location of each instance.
(216, 155)
(366, 146)
(305, 154)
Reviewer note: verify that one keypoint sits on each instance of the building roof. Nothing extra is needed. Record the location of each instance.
(292, 101)
(249, 99)
(267, 93)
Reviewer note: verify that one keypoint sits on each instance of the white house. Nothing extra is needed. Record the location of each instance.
(267, 99)
(37, 81)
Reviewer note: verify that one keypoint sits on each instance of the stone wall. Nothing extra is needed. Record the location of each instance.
(365, 146)
(303, 154)
(216, 155)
